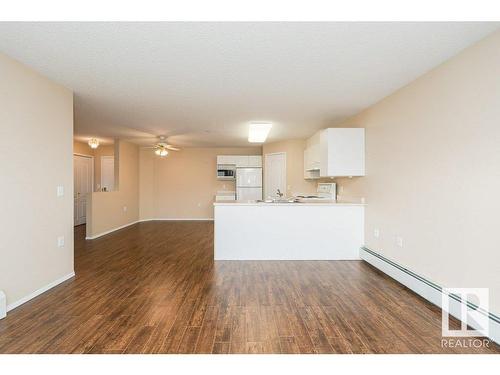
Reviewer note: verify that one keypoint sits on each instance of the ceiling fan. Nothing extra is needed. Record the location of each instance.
(161, 148)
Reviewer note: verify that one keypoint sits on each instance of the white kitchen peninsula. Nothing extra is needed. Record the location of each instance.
(288, 231)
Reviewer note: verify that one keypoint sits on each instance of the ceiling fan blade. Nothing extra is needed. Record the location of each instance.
(173, 148)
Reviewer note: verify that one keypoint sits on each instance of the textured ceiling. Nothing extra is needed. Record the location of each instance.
(201, 83)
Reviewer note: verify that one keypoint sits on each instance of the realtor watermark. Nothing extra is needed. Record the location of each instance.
(470, 306)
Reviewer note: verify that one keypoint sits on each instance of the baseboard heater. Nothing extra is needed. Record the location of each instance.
(427, 289)
(3, 305)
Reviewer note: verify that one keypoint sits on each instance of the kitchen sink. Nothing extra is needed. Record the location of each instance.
(281, 200)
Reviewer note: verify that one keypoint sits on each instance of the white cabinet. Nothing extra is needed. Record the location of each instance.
(255, 161)
(240, 161)
(225, 160)
(342, 152)
(312, 158)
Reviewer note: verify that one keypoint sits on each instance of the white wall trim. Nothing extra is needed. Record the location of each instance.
(37, 292)
(145, 220)
(426, 289)
(111, 230)
(179, 219)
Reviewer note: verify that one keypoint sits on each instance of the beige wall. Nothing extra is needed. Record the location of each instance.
(103, 150)
(183, 184)
(433, 172)
(105, 210)
(36, 133)
(294, 149)
(82, 148)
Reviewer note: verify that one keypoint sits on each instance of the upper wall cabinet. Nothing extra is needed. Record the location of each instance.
(226, 159)
(255, 161)
(342, 152)
(240, 161)
(312, 157)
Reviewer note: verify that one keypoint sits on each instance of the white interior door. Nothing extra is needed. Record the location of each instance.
(275, 174)
(83, 175)
(107, 173)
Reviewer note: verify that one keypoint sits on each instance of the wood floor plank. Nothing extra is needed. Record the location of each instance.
(154, 288)
(189, 340)
(206, 340)
(221, 348)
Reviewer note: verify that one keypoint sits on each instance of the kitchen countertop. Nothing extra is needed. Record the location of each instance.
(316, 203)
(316, 230)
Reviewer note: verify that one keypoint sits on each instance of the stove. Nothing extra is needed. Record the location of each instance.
(326, 192)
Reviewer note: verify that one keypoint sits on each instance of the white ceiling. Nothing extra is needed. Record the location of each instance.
(202, 83)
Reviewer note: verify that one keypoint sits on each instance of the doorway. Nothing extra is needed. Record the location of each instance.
(107, 173)
(83, 176)
(275, 174)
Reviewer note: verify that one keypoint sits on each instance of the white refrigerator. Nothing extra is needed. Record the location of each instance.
(248, 184)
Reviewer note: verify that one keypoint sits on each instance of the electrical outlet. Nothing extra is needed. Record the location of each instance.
(60, 191)
(399, 241)
(376, 233)
(124, 208)
(60, 241)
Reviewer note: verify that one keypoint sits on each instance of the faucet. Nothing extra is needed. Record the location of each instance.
(279, 194)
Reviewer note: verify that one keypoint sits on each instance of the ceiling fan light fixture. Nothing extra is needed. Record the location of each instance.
(93, 143)
(161, 151)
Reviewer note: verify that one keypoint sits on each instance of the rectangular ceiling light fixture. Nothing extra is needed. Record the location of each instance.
(258, 132)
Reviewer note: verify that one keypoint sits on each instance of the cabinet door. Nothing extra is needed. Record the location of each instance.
(226, 159)
(314, 157)
(241, 161)
(342, 152)
(255, 161)
(307, 158)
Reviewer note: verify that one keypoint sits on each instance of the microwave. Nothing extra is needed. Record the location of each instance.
(226, 172)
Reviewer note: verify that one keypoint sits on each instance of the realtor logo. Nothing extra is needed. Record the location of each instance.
(470, 306)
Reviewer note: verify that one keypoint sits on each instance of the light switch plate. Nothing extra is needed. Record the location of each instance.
(60, 191)
(376, 233)
(60, 241)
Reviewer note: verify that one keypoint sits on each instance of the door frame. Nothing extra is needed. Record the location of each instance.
(103, 157)
(265, 173)
(91, 177)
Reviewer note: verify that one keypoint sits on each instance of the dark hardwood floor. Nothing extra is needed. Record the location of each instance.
(154, 288)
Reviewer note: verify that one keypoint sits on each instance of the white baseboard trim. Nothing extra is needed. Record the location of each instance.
(37, 292)
(111, 230)
(179, 219)
(145, 220)
(425, 288)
